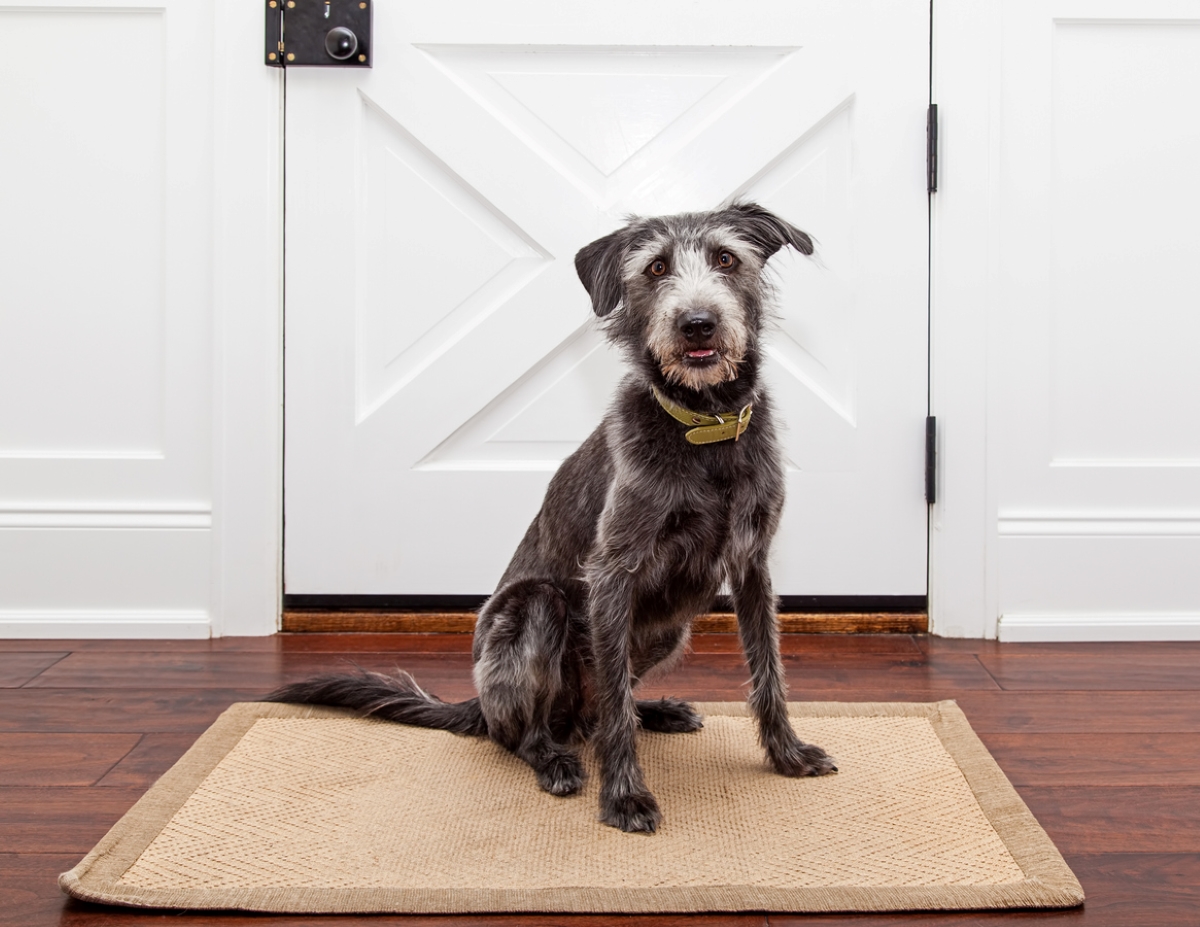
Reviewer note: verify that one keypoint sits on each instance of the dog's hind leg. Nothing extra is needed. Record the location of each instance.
(523, 677)
(668, 716)
(657, 653)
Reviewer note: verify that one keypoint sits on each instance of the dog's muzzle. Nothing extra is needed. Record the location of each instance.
(698, 327)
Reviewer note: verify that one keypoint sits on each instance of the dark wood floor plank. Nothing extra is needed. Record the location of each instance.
(375, 643)
(418, 642)
(1087, 759)
(74, 914)
(274, 643)
(60, 820)
(348, 642)
(1118, 819)
(1140, 888)
(1104, 671)
(461, 643)
(153, 756)
(261, 671)
(116, 710)
(932, 644)
(29, 895)
(1123, 890)
(16, 669)
(1073, 917)
(921, 673)
(924, 677)
(815, 643)
(268, 642)
(1082, 712)
(60, 759)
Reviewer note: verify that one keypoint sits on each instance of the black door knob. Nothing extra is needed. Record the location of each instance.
(341, 43)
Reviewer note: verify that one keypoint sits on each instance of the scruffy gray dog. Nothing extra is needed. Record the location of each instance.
(676, 491)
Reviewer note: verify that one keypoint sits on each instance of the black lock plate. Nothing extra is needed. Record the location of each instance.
(296, 33)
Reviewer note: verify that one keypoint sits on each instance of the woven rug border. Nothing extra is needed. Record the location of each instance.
(1048, 883)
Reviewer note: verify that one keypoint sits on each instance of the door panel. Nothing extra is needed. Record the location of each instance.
(106, 318)
(441, 355)
(1092, 356)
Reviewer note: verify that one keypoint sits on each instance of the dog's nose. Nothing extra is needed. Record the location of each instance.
(697, 324)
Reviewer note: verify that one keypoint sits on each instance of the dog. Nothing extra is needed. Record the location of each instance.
(678, 490)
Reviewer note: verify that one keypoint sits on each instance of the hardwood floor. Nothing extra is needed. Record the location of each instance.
(1101, 740)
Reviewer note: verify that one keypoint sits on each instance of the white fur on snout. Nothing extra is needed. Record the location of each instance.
(693, 285)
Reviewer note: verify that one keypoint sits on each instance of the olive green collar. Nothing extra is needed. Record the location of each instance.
(723, 426)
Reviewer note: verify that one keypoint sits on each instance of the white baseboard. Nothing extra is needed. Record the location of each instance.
(124, 624)
(1149, 626)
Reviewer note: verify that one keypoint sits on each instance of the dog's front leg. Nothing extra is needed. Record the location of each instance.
(625, 802)
(754, 602)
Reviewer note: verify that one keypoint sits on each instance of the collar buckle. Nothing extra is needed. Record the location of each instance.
(710, 427)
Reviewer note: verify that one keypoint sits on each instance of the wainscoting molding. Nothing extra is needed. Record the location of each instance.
(115, 515)
(1149, 626)
(90, 624)
(1100, 524)
(1098, 575)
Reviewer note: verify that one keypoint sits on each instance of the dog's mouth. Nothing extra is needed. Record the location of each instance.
(696, 366)
(701, 357)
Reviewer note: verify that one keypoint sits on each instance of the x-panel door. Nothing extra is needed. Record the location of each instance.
(441, 356)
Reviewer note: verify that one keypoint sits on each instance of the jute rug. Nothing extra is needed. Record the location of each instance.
(282, 808)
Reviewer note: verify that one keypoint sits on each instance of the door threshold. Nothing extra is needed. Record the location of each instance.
(463, 622)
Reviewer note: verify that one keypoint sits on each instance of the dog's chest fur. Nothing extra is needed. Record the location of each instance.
(685, 511)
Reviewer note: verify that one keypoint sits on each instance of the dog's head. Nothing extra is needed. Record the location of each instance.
(687, 290)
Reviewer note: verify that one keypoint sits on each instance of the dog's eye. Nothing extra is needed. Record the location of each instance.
(658, 268)
(726, 261)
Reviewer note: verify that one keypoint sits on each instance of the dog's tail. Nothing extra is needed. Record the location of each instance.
(392, 698)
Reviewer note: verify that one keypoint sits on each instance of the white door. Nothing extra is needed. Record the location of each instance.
(106, 206)
(441, 356)
(1095, 425)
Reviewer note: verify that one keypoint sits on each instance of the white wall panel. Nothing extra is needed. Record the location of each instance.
(98, 568)
(1125, 385)
(1094, 423)
(1100, 574)
(81, 259)
(106, 317)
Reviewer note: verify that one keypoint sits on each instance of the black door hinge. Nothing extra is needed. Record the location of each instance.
(931, 149)
(930, 459)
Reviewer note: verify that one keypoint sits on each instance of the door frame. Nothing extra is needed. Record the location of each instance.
(964, 270)
(248, 291)
(247, 332)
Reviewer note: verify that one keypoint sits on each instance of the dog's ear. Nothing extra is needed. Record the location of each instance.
(600, 268)
(767, 231)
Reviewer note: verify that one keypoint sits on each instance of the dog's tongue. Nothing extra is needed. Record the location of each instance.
(706, 352)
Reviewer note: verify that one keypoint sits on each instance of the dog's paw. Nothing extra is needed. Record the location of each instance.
(668, 716)
(561, 775)
(636, 813)
(800, 759)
